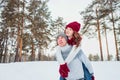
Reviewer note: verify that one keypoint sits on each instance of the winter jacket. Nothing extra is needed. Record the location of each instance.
(75, 65)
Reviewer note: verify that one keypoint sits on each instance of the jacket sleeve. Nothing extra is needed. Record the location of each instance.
(58, 55)
(72, 53)
(86, 61)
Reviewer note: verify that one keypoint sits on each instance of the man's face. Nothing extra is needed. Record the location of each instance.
(61, 41)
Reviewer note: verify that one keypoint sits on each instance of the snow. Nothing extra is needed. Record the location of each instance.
(48, 70)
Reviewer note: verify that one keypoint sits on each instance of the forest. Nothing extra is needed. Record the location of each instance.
(27, 29)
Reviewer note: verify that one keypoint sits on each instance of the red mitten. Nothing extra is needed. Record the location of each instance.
(93, 78)
(64, 67)
(64, 75)
(63, 70)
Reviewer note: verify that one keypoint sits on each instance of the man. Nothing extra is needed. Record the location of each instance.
(71, 61)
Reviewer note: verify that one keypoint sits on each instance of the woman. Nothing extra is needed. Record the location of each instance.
(71, 59)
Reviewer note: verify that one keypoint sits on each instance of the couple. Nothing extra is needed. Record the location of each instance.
(74, 65)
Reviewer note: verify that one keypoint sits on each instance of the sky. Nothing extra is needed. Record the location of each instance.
(48, 70)
(69, 10)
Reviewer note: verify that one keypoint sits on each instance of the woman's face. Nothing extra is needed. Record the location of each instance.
(69, 32)
(61, 41)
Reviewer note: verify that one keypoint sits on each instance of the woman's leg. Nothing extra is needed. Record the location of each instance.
(61, 78)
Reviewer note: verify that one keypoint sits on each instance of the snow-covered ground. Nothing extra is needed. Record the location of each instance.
(48, 70)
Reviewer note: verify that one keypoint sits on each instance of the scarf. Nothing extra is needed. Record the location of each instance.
(71, 41)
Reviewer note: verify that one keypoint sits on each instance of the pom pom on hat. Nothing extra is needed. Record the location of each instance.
(74, 25)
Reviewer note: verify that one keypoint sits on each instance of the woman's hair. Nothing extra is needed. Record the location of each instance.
(77, 38)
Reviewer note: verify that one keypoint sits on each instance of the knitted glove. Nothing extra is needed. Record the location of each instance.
(93, 78)
(63, 70)
(64, 75)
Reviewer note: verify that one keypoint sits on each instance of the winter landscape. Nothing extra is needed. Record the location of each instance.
(27, 29)
(48, 70)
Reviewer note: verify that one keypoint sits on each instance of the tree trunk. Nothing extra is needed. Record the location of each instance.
(10, 58)
(39, 55)
(18, 38)
(33, 53)
(17, 49)
(20, 54)
(115, 39)
(99, 37)
(1, 51)
(108, 56)
(5, 52)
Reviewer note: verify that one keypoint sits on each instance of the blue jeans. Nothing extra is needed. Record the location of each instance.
(87, 75)
(61, 78)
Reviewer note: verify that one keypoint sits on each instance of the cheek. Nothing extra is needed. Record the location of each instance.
(67, 32)
(58, 42)
(70, 33)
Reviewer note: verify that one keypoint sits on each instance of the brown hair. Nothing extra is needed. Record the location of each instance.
(77, 38)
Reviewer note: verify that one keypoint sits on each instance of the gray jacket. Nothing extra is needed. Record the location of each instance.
(75, 66)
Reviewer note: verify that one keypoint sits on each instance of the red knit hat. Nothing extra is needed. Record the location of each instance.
(74, 25)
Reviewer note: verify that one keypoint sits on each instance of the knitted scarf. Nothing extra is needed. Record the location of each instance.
(71, 41)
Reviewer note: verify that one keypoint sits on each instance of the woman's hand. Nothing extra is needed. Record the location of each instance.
(63, 70)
